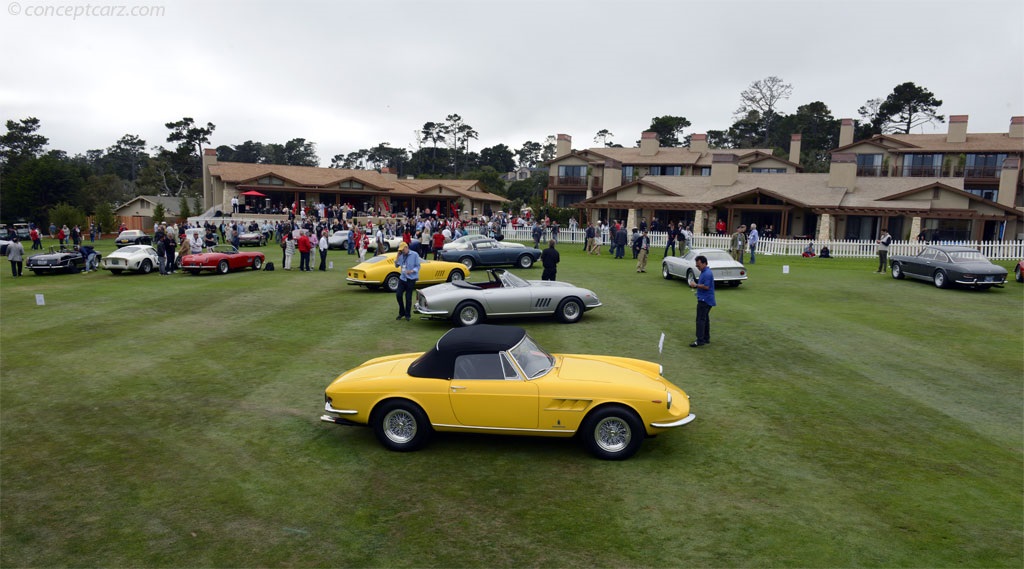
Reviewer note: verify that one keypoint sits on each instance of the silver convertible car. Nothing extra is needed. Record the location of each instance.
(726, 269)
(504, 294)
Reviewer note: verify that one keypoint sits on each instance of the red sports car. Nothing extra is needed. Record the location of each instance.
(222, 259)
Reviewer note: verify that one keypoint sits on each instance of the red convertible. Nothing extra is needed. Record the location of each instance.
(222, 258)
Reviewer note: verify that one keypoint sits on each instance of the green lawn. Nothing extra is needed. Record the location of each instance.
(844, 419)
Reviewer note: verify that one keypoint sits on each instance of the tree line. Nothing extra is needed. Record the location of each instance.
(34, 180)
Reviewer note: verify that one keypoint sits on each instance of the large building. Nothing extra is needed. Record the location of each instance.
(958, 185)
(271, 187)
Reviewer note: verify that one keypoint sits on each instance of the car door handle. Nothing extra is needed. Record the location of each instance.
(454, 387)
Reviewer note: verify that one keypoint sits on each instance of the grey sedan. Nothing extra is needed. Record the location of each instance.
(503, 295)
(946, 265)
(488, 253)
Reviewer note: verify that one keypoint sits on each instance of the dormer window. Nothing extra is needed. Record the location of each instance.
(351, 185)
(270, 181)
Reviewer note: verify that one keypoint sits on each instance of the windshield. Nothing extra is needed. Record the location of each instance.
(511, 281)
(132, 248)
(967, 257)
(532, 359)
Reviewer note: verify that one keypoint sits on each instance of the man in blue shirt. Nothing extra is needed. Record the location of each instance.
(408, 264)
(705, 285)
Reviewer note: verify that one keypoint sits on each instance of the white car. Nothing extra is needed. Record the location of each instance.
(466, 241)
(136, 258)
(390, 244)
(726, 269)
(338, 240)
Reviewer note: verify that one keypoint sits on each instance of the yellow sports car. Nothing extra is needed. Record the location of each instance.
(496, 379)
(379, 271)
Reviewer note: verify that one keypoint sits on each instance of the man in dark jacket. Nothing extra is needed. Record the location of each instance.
(549, 260)
(619, 241)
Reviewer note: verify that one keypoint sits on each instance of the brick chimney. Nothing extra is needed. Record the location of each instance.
(649, 143)
(957, 132)
(699, 142)
(845, 132)
(1008, 180)
(724, 168)
(1016, 127)
(563, 145)
(842, 173)
(794, 148)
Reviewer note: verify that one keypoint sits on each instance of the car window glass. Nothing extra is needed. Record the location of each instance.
(484, 245)
(967, 257)
(928, 254)
(532, 359)
(507, 367)
(478, 366)
(510, 281)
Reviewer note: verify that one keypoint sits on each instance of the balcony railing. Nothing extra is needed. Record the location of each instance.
(982, 172)
(568, 181)
(871, 171)
(922, 171)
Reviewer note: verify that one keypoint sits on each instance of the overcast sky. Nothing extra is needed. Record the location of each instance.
(351, 74)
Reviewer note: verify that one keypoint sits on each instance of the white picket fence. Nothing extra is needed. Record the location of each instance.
(1003, 250)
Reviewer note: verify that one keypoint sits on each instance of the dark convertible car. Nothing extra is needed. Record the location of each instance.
(489, 252)
(948, 265)
(58, 260)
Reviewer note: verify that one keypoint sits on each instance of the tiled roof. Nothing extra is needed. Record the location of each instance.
(238, 172)
(976, 142)
(313, 177)
(807, 190)
(171, 205)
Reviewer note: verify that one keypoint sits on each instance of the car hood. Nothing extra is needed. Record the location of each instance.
(611, 370)
(549, 284)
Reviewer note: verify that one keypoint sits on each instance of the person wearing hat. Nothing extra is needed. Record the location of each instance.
(408, 264)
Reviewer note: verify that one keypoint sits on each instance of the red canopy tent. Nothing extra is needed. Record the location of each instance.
(254, 194)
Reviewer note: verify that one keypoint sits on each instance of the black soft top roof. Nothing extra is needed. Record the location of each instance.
(439, 361)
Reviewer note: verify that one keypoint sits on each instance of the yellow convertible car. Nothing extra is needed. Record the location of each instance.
(379, 271)
(496, 379)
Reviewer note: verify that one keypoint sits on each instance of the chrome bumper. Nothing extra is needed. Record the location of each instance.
(338, 420)
(687, 419)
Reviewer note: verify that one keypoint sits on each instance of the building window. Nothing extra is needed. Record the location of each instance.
(984, 165)
(351, 185)
(768, 170)
(705, 171)
(567, 199)
(990, 194)
(946, 229)
(869, 165)
(666, 171)
(572, 175)
(270, 181)
(922, 165)
(628, 174)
